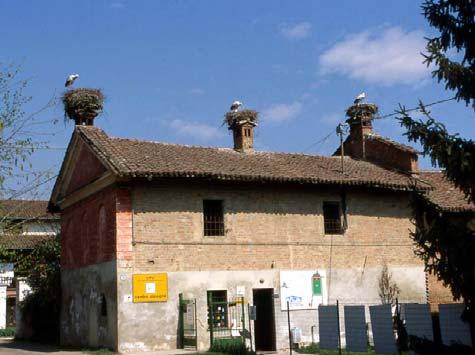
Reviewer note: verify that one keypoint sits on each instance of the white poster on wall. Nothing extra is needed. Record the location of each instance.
(303, 289)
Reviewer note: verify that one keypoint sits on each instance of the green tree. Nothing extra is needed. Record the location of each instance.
(42, 307)
(445, 241)
(17, 131)
(455, 20)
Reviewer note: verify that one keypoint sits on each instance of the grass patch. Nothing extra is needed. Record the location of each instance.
(315, 349)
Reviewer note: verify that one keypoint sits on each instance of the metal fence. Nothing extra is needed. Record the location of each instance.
(227, 320)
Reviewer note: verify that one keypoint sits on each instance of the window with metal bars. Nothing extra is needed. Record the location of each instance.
(332, 218)
(213, 215)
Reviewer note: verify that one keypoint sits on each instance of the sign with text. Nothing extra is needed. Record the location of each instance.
(303, 289)
(150, 287)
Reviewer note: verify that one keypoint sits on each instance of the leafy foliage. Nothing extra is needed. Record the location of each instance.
(231, 346)
(15, 148)
(455, 19)
(455, 154)
(426, 347)
(7, 332)
(42, 268)
(17, 131)
(446, 243)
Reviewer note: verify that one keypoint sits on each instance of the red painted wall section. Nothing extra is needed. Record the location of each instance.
(124, 224)
(87, 168)
(97, 229)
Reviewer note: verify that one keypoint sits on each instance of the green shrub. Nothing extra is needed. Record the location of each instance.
(7, 332)
(232, 346)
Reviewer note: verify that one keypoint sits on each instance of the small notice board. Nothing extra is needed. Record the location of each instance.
(150, 287)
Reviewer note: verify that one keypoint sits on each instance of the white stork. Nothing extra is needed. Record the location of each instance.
(359, 98)
(70, 80)
(235, 106)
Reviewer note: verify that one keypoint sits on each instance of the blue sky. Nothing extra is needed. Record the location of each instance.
(170, 69)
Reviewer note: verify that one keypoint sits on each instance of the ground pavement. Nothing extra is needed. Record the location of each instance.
(10, 346)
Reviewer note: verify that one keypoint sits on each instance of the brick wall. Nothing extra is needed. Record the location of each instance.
(124, 224)
(438, 293)
(89, 228)
(389, 156)
(265, 226)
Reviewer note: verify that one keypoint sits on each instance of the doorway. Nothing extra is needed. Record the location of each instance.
(264, 325)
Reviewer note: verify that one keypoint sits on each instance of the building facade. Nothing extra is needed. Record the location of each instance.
(145, 224)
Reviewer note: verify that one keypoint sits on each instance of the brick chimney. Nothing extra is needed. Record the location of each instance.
(242, 123)
(363, 143)
(360, 117)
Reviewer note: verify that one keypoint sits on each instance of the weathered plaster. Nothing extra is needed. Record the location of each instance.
(82, 321)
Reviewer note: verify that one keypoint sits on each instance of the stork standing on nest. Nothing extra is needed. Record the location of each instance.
(235, 106)
(70, 80)
(359, 98)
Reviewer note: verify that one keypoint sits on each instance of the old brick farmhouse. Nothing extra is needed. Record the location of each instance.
(143, 222)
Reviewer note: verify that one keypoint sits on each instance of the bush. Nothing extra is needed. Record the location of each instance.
(427, 347)
(40, 309)
(232, 346)
(7, 332)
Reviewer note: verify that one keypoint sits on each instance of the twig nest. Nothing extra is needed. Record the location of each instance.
(361, 110)
(83, 104)
(240, 117)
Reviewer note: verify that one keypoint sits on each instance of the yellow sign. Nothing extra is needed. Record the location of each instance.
(150, 287)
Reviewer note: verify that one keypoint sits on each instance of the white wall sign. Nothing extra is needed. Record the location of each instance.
(240, 291)
(296, 288)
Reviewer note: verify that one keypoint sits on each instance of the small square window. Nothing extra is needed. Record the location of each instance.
(213, 215)
(332, 218)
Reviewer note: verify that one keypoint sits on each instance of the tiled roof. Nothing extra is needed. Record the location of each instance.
(445, 194)
(22, 241)
(25, 209)
(134, 158)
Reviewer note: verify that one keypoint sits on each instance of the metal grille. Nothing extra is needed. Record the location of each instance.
(227, 319)
(332, 218)
(213, 217)
(218, 309)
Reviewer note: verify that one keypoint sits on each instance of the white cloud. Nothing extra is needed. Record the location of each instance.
(198, 130)
(282, 112)
(387, 58)
(297, 31)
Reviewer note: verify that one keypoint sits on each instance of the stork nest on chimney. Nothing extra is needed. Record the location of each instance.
(240, 117)
(83, 103)
(361, 109)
